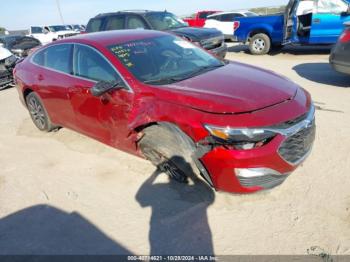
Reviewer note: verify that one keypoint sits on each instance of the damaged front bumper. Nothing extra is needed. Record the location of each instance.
(235, 170)
(245, 171)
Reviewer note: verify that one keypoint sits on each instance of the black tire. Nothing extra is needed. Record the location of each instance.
(38, 113)
(260, 44)
(168, 148)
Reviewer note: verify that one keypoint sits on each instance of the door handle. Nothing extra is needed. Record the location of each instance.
(79, 89)
(40, 77)
(317, 20)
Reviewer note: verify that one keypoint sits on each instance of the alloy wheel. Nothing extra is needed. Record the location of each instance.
(37, 113)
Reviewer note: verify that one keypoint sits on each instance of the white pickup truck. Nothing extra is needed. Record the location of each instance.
(225, 22)
(48, 34)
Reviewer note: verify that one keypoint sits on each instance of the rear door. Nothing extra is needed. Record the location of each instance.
(53, 79)
(328, 21)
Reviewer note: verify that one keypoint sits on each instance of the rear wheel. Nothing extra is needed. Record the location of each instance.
(38, 113)
(170, 150)
(260, 44)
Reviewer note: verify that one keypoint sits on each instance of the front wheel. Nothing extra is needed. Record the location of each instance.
(170, 150)
(260, 44)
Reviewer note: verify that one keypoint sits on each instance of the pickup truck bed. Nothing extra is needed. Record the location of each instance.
(272, 25)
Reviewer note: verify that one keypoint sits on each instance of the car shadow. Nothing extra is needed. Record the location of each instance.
(45, 230)
(179, 223)
(292, 50)
(322, 73)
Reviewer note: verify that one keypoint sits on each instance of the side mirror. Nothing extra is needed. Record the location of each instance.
(103, 87)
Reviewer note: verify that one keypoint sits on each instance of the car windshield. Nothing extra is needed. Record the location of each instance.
(164, 60)
(56, 28)
(165, 21)
(37, 30)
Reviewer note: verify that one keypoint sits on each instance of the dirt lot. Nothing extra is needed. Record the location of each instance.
(64, 193)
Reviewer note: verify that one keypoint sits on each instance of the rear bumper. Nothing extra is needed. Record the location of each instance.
(340, 67)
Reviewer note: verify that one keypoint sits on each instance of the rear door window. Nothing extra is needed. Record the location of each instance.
(94, 25)
(115, 22)
(90, 64)
(334, 6)
(136, 22)
(57, 57)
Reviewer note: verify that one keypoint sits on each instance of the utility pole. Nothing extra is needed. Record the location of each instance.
(59, 10)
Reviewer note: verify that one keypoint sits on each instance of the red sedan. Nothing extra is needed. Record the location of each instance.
(241, 128)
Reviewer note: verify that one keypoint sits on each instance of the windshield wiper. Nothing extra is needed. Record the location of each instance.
(199, 71)
(173, 79)
(161, 81)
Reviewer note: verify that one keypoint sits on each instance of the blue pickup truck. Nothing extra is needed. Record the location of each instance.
(305, 22)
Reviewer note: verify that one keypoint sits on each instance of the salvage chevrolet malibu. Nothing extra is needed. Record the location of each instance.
(158, 96)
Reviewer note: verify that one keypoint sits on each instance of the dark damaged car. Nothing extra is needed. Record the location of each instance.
(208, 38)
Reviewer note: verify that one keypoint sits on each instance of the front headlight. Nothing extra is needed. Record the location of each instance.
(241, 138)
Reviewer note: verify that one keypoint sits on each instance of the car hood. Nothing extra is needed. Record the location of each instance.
(234, 88)
(4, 53)
(197, 34)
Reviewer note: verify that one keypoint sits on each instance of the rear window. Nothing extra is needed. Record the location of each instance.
(204, 15)
(230, 17)
(94, 25)
(249, 14)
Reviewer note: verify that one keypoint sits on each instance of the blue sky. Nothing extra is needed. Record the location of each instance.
(20, 14)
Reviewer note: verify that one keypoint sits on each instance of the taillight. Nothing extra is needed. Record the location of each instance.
(345, 37)
(236, 25)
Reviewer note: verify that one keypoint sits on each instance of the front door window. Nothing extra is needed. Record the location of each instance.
(331, 6)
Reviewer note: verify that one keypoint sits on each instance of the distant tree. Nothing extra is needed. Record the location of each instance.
(2, 30)
(268, 10)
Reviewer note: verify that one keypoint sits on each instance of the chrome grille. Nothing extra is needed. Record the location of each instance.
(69, 35)
(296, 147)
(267, 182)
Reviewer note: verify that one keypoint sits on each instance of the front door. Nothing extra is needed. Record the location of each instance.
(328, 21)
(103, 118)
(289, 22)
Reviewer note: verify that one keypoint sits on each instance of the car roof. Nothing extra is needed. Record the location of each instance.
(140, 12)
(231, 12)
(106, 38)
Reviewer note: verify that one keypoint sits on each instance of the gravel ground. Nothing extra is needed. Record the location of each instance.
(63, 193)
